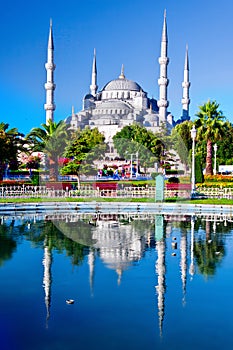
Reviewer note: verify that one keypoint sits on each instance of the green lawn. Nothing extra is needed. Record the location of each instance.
(102, 199)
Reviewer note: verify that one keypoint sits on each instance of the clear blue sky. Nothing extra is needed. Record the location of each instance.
(122, 31)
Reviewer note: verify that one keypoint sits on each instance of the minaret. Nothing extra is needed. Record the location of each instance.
(73, 122)
(93, 86)
(47, 279)
(160, 269)
(186, 84)
(163, 81)
(183, 264)
(91, 263)
(161, 286)
(49, 85)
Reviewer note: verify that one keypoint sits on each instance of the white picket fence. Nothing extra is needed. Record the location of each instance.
(28, 191)
(213, 192)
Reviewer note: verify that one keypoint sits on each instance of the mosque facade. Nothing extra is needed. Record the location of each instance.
(121, 101)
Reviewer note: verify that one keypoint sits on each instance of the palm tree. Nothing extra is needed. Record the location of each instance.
(51, 139)
(210, 128)
(10, 143)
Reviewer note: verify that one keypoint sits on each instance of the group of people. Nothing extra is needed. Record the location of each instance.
(117, 173)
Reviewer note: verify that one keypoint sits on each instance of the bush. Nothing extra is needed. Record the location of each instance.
(174, 180)
(35, 179)
(174, 172)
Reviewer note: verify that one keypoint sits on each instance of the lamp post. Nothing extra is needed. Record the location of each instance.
(131, 166)
(193, 136)
(131, 163)
(215, 156)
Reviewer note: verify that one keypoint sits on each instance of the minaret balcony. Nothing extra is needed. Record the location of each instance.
(163, 81)
(163, 60)
(50, 66)
(186, 84)
(49, 86)
(163, 103)
(49, 107)
(185, 101)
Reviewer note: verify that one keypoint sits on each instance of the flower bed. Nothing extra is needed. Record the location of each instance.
(59, 185)
(179, 186)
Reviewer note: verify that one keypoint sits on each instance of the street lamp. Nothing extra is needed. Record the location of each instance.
(131, 163)
(193, 136)
(215, 156)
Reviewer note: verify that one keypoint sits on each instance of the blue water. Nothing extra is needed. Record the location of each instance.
(132, 287)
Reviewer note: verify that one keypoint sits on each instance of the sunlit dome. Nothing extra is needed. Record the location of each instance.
(122, 84)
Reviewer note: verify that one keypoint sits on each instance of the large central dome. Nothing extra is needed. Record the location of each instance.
(122, 84)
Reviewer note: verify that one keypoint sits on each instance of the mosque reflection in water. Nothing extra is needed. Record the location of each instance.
(193, 244)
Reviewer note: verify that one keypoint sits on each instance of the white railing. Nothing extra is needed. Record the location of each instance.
(27, 191)
(214, 192)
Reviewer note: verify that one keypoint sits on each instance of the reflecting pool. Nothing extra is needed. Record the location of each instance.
(138, 282)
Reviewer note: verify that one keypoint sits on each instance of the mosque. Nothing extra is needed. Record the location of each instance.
(121, 101)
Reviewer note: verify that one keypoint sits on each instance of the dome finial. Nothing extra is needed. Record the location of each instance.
(122, 75)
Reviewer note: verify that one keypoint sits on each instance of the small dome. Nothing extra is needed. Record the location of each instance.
(151, 117)
(113, 104)
(122, 84)
(89, 97)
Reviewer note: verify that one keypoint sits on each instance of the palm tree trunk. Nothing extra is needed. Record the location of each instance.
(209, 167)
(53, 170)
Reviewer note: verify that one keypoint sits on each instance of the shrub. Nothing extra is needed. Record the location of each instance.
(198, 170)
(174, 180)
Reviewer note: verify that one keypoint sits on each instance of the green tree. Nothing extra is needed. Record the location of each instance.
(182, 141)
(135, 138)
(225, 145)
(7, 244)
(51, 139)
(199, 177)
(11, 141)
(210, 128)
(86, 147)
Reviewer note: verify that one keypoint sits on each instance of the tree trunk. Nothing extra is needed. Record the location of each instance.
(53, 170)
(209, 167)
(207, 230)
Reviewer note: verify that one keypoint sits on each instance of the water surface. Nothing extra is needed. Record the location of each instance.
(137, 283)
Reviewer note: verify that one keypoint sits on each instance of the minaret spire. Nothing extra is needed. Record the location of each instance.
(186, 84)
(93, 86)
(163, 81)
(49, 85)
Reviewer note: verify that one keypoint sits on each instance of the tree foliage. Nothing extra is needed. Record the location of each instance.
(86, 147)
(225, 145)
(51, 139)
(134, 139)
(10, 143)
(210, 129)
(182, 141)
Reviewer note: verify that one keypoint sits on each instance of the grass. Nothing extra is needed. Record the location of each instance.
(102, 199)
